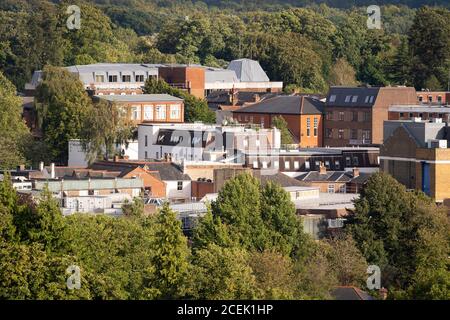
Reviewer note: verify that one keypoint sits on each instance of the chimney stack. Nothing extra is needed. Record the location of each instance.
(355, 172)
(322, 168)
(41, 166)
(52, 170)
(21, 167)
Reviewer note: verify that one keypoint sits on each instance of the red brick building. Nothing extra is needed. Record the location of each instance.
(435, 97)
(355, 115)
(303, 114)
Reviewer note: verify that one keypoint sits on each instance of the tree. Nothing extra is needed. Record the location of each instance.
(105, 126)
(222, 273)
(274, 274)
(63, 106)
(13, 131)
(342, 74)
(134, 208)
(430, 58)
(167, 277)
(195, 109)
(281, 124)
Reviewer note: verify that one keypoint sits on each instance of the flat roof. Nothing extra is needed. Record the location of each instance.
(327, 201)
(139, 98)
(419, 108)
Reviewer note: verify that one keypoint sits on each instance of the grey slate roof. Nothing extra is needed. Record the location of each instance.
(363, 95)
(248, 70)
(167, 171)
(421, 132)
(350, 293)
(278, 178)
(140, 98)
(286, 105)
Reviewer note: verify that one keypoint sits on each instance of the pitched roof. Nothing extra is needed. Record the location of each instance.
(352, 96)
(167, 171)
(350, 293)
(248, 70)
(278, 178)
(286, 105)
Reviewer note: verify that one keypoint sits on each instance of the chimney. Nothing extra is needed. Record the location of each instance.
(41, 166)
(52, 170)
(322, 168)
(355, 172)
(383, 293)
(21, 167)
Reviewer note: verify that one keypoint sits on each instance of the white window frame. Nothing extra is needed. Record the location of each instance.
(148, 112)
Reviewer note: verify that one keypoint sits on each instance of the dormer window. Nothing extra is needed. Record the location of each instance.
(333, 98)
(126, 78)
(371, 99)
(348, 98)
(99, 78)
(112, 78)
(355, 99)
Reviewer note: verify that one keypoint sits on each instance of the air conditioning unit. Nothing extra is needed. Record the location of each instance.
(437, 144)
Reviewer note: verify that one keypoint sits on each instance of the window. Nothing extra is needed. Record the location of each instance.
(126, 78)
(175, 111)
(333, 98)
(136, 112)
(257, 142)
(341, 134)
(308, 127)
(401, 115)
(342, 189)
(337, 165)
(353, 134)
(296, 165)
(371, 99)
(112, 78)
(317, 164)
(327, 164)
(262, 122)
(355, 116)
(157, 155)
(99, 78)
(367, 99)
(420, 99)
(411, 115)
(331, 188)
(355, 161)
(140, 78)
(160, 112)
(439, 99)
(366, 116)
(146, 141)
(348, 161)
(341, 115)
(251, 119)
(148, 112)
(329, 115)
(286, 165)
(307, 165)
(276, 164)
(316, 125)
(146, 154)
(348, 98)
(264, 164)
(430, 98)
(255, 164)
(329, 133)
(366, 136)
(355, 99)
(180, 185)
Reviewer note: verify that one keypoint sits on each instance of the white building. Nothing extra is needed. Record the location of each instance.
(77, 156)
(201, 142)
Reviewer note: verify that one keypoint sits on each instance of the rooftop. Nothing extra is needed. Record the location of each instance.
(140, 98)
(248, 70)
(286, 105)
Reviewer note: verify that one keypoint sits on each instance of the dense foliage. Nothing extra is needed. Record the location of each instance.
(309, 47)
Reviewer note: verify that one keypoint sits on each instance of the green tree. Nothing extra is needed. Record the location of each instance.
(167, 277)
(281, 124)
(222, 273)
(63, 106)
(13, 130)
(104, 127)
(134, 208)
